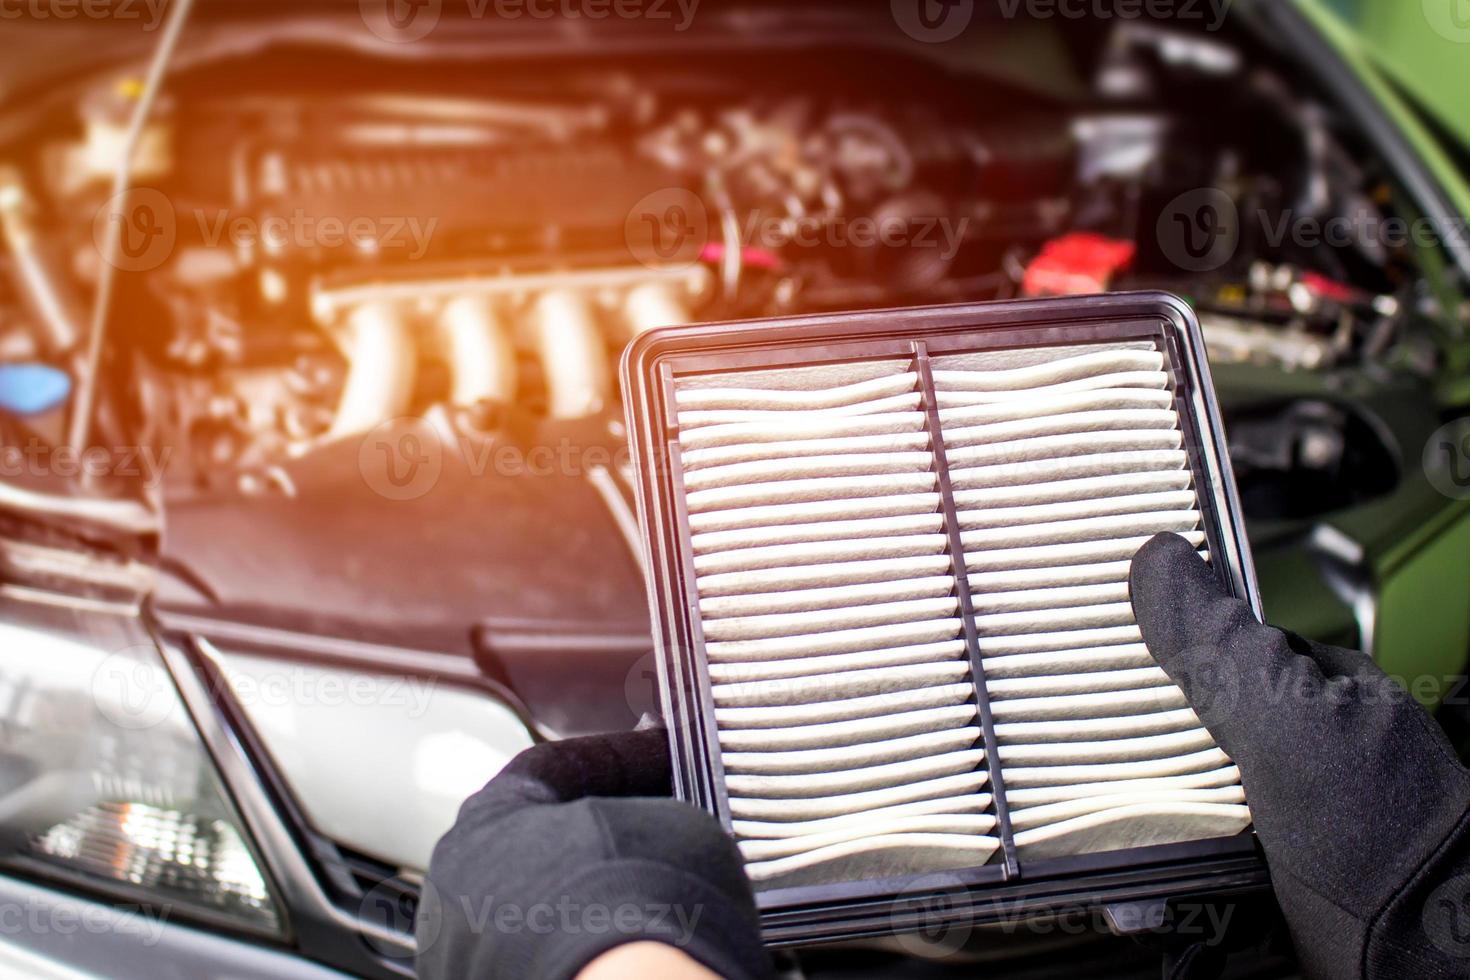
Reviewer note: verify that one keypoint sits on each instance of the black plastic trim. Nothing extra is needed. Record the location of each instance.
(967, 609)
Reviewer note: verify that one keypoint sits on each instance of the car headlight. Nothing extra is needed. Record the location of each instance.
(104, 781)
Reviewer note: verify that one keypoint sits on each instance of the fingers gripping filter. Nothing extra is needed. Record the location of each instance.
(889, 572)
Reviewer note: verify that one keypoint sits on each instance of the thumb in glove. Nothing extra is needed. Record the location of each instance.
(575, 849)
(1358, 798)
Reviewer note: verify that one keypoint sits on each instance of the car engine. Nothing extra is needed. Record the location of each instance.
(366, 265)
(324, 373)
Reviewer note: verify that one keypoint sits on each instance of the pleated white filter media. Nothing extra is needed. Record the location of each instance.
(844, 694)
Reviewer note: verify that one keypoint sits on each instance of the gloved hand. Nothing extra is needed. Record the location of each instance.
(1359, 800)
(564, 856)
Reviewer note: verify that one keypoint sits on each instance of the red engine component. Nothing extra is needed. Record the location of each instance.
(1075, 264)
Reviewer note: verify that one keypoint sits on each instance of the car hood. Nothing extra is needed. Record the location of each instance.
(1423, 48)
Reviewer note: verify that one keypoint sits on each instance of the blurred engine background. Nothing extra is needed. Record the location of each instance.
(367, 299)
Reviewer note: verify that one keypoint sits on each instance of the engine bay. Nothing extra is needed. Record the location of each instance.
(369, 267)
(319, 333)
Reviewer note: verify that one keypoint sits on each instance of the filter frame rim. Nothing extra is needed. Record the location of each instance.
(649, 367)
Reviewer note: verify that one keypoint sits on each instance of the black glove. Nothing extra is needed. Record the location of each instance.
(1359, 800)
(557, 860)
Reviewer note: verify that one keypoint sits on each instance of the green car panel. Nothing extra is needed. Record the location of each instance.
(1414, 542)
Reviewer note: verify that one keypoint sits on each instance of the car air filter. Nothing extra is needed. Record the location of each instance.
(888, 568)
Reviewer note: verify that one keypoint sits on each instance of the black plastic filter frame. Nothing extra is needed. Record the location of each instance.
(1003, 888)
